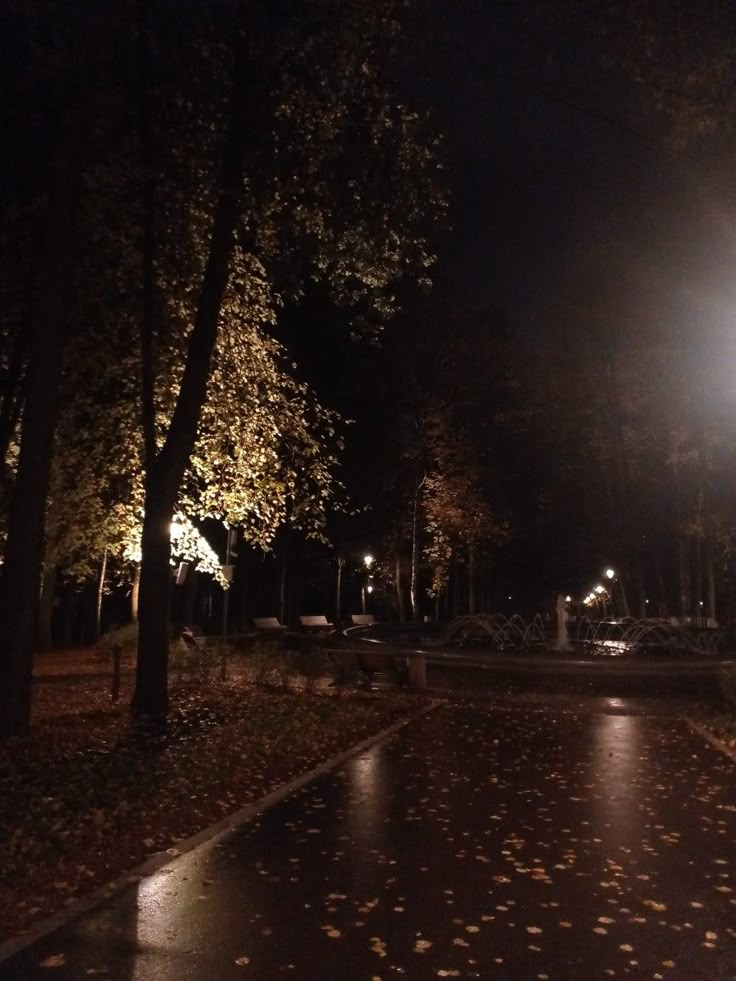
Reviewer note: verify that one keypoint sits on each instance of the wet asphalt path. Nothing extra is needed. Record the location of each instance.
(529, 842)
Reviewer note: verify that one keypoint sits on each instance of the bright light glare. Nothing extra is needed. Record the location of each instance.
(600, 589)
(610, 573)
(568, 599)
(370, 589)
(368, 560)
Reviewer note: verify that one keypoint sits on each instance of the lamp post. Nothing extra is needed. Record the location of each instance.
(368, 561)
(610, 575)
(614, 576)
(601, 595)
(338, 600)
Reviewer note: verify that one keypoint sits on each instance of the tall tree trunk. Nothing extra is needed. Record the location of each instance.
(471, 578)
(100, 594)
(151, 683)
(189, 595)
(664, 606)
(338, 596)
(684, 576)
(166, 471)
(134, 593)
(710, 579)
(625, 608)
(21, 572)
(641, 591)
(44, 641)
(283, 578)
(699, 557)
(414, 581)
(399, 589)
(229, 571)
(68, 615)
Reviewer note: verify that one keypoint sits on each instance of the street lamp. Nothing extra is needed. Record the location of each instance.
(612, 576)
(368, 561)
(601, 596)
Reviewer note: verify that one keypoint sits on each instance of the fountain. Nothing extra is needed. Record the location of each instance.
(563, 640)
(627, 637)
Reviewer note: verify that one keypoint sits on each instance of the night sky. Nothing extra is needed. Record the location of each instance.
(560, 175)
(572, 216)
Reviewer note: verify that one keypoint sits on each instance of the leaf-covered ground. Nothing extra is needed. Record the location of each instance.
(481, 841)
(83, 797)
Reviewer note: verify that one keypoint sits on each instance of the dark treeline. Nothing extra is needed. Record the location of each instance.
(219, 227)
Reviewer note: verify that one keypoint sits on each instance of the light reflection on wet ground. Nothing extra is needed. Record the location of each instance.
(482, 841)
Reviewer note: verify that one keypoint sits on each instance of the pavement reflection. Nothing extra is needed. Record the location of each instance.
(483, 840)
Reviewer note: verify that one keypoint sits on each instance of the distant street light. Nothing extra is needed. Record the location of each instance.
(610, 574)
(368, 561)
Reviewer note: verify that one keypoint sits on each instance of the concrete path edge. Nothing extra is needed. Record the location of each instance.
(710, 737)
(233, 821)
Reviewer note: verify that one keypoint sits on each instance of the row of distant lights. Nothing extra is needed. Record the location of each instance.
(368, 561)
(599, 592)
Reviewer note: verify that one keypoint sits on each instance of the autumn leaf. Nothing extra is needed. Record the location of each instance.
(54, 960)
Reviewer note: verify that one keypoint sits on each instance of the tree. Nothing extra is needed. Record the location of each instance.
(279, 168)
(241, 176)
(55, 81)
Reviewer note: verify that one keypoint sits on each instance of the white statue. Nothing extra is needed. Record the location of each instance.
(563, 641)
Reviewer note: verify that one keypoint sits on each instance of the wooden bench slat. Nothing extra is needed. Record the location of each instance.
(268, 623)
(316, 623)
(362, 619)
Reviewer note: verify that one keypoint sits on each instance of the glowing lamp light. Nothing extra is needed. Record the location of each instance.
(568, 599)
(610, 573)
(368, 560)
(370, 589)
(600, 589)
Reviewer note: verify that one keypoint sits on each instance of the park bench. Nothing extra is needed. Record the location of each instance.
(270, 625)
(316, 624)
(362, 619)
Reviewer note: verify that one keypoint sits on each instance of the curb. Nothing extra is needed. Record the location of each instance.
(235, 820)
(710, 738)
